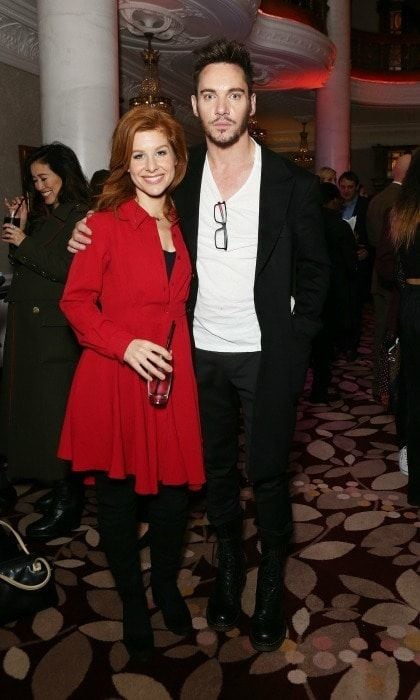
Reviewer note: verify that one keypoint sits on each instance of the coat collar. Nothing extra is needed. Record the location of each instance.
(187, 198)
(133, 212)
(277, 182)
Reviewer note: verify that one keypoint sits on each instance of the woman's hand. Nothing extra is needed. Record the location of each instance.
(18, 206)
(12, 234)
(148, 359)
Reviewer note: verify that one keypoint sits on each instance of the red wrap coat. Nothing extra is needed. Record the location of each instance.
(118, 290)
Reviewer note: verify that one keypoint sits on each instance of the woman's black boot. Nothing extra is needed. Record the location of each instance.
(64, 513)
(224, 606)
(117, 520)
(268, 624)
(168, 522)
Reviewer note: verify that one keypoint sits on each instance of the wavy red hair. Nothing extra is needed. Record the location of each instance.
(119, 187)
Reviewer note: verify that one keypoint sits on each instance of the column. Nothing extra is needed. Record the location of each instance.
(78, 54)
(332, 141)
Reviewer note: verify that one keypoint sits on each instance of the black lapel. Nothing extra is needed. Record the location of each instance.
(187, 199)
(277, 183)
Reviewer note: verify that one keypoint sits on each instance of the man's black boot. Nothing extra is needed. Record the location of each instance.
(268, 624)
(224, 606)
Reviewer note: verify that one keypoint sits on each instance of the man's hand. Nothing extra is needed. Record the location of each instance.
(80, 236)
(148, 359)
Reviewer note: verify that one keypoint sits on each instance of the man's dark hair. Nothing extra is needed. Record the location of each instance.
(329, 191)
(349, 175)
(224, 51)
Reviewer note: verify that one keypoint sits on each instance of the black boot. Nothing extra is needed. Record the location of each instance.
(44, 503)
(117, 520)
(268, 625)
(168, 522)
(64, 513)
(224, 606)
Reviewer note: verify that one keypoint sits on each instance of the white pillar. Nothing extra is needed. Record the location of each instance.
(78, 53)
(332, 141)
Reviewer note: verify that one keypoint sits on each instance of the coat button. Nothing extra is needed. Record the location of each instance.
(35, 310)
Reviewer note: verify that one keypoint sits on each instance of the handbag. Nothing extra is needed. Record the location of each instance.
(389, 369)
(26, 580)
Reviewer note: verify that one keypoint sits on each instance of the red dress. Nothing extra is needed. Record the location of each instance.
(118, 290)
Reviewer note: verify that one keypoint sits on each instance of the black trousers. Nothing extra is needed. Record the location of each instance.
(226, 383)
(359, 295)
(410, 348)
(322, 356)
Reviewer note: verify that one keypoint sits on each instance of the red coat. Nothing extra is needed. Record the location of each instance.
(118, 290)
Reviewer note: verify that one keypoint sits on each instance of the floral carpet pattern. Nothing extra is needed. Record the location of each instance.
(352, 585)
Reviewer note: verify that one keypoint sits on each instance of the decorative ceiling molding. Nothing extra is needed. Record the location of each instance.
(292, 54)
(186, 24)
(385, 93)
(21, 11)
(139, 17)
(18, 44)
(291, 59)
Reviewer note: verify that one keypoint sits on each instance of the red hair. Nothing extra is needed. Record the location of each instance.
(119, 187)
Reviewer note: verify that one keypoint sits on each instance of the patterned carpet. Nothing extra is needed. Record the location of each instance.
(352, 585)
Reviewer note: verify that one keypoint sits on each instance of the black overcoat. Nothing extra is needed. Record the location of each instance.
(40, 351)
(292, 261)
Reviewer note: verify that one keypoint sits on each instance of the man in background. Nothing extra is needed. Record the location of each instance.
(376, 225)
(342, 250)
(354, 212)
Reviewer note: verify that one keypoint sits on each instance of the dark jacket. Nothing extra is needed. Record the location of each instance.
(40, 352)
(342, 250)
(291, 261)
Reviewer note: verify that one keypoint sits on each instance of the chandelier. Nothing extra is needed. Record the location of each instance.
(303, 156)
(256, 131)
(149, 88)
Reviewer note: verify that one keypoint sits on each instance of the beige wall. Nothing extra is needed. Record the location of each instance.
(20, 123)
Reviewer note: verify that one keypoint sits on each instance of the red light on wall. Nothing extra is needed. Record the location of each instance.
(386, 78)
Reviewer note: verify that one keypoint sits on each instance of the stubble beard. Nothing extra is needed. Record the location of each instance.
(223, 142)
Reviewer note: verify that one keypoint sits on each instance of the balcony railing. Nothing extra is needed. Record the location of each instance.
(384, 53)
(312, 12)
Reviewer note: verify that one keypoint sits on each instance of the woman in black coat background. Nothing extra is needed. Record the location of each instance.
(41, 352)
(405, 234)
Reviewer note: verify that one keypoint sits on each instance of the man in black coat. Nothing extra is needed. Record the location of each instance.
(342, 250)
(354, 211)
(252, 222)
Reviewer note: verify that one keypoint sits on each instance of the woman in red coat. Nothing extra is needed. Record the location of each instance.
(122, 296)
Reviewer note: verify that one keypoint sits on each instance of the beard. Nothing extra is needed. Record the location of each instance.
(223, 140)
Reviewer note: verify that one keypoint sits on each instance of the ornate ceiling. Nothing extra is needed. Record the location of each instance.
(291, 59)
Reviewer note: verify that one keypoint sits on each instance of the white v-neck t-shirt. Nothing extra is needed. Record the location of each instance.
(225, 318)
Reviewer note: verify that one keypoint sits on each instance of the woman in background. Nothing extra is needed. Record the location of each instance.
(41, 351)
(405, 232)
(122, 296)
